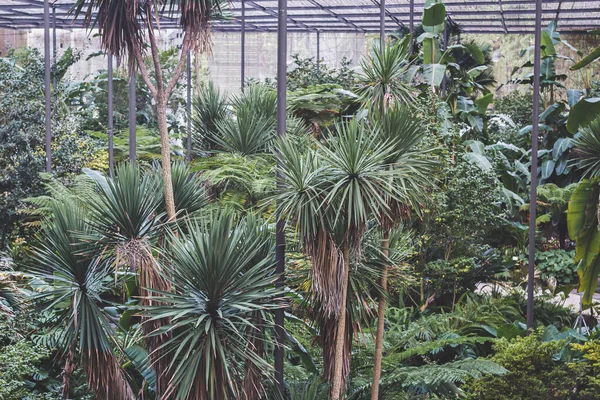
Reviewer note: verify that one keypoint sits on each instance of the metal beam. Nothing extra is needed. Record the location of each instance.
(382, 23)
(280, 225)
(534, 161)
(132, 114)
(47, 85)
(111, 130)
(243, 45)
(188, 106)
(318, 50)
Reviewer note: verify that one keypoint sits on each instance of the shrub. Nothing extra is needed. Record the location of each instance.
(19, 361)
(535, 373)
(557, 264)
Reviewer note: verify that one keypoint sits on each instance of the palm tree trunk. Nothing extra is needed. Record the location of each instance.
(338, 376)
(67, 373)
(380, 323)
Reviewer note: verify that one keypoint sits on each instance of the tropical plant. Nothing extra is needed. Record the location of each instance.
(384, 80)
(79, 279)
(209, 108)
(587, 149)
(332, 194)
(222, 273)
(126, 216)
(126, 30)
(412, 176)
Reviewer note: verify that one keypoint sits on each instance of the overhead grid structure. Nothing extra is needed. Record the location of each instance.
(329, 16)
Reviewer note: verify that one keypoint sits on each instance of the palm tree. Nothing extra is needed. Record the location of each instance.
(78, 277)
(333, 193)
(126, 216)
(413, 171)
(218, 312)
(384, 81)
(127, 27)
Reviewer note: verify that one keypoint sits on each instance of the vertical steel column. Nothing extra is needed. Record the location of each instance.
(280, 227)
(318, 49)
(444, 47)
(109, 90)
(188, 106)
(132, 114)
(54, 55)
(47, 85)
(382, 22)
(534, 159)
(411, 24)
(243, 44)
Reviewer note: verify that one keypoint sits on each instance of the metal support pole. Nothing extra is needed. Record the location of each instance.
(318, 50)
(534, 160)
(47, 85)
(280, 227)
(411, 25)
(444, 47)
(188, 106)
(243, 44)
(132, 114)
(54, 63)
(382, 23)
(109, 90)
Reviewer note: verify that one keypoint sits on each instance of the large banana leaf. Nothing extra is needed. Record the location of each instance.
(582, 113)
(582, 222)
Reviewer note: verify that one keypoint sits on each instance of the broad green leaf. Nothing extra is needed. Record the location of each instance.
(476, 146)
(547, 45)
(593, 56)
(479, 160)
(475, 72)
(475, 52)
(547, 168)
(483, 102)
(433, 17)
(464, 104)
(434, 74)
(560, 146)
(582, 113)
(431, 51)
(573, 96)
(582, 207)
(588, 274)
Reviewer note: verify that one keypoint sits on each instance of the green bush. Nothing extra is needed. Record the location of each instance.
(535, 373)
(18, 362)
(557, 264)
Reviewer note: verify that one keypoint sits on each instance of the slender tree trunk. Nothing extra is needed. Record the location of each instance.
(380, 324)
(165, 151)
(67, 373)
(338, 376)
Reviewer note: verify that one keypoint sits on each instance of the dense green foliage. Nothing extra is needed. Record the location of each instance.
(405, 186)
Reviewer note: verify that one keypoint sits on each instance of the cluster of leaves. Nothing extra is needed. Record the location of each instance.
(537, 368)
(22, 154)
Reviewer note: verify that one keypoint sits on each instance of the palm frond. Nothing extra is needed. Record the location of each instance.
(383, 82)
(78, 282)
(587, 149)
(222, 273)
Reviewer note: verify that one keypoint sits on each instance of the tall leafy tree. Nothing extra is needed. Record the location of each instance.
(127, 27)
(333, 193)
(412, 175)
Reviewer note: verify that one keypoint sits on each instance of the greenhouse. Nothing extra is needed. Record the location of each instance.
(299, 199)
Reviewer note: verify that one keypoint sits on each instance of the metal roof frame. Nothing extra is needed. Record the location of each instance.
(363, 16)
